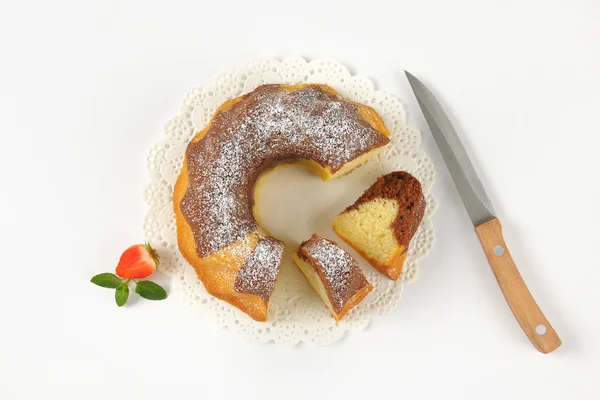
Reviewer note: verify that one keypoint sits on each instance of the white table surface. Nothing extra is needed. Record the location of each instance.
(85, 89)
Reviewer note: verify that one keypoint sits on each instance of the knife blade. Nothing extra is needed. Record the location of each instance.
(487, 226)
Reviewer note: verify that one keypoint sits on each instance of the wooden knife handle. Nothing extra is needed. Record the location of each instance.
(530, 317)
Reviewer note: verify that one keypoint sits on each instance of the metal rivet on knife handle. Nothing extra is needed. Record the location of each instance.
(541, 329)
(498, 250)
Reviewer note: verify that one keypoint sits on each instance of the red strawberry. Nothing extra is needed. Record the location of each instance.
(138, 261)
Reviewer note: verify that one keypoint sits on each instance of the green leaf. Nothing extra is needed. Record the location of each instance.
(121, 295)
(150, 290)
(107, 280)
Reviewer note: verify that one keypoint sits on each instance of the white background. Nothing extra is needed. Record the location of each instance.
(85, 89)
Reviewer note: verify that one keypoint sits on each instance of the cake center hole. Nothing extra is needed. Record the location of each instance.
(292, 202)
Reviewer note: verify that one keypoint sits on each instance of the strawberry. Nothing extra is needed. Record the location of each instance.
(138, 261)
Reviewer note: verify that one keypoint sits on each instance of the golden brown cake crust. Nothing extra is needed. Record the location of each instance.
(220, 242)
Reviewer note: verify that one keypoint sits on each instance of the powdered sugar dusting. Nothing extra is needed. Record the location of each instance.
(268, 126)
(342, 273)
(259, 272)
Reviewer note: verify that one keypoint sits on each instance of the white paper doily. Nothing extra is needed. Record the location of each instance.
(293, 204)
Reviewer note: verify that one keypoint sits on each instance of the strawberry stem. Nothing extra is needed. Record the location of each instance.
(152, 253)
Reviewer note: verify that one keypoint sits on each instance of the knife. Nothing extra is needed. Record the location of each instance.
(487, 226)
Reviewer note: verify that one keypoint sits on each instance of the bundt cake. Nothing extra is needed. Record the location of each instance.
(381, 223)
(333, 273)
(217, 230)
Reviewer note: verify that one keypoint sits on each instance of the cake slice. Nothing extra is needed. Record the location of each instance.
(381, 223)
(333, 273)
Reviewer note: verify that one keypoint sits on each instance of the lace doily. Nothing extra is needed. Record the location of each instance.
(296, 314)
